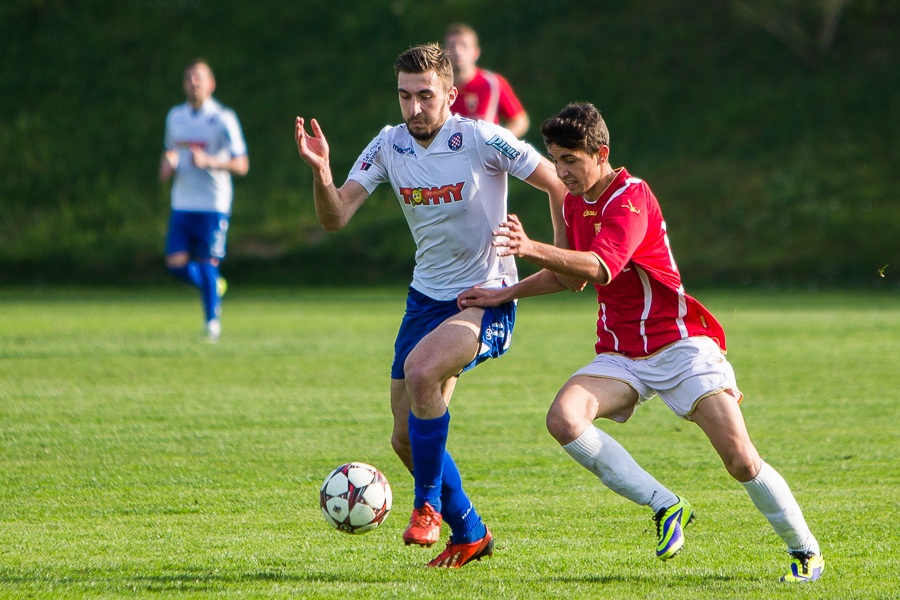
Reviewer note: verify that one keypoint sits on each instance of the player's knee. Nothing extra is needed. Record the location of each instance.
(177, 261)
(562, 425)
(421, 379)
(741, 466)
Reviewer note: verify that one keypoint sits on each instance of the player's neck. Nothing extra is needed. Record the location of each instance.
(606, 177)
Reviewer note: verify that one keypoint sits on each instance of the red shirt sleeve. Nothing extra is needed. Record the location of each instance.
(623, 227)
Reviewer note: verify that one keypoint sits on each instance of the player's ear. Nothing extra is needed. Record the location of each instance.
(602, 155)
(451, 96)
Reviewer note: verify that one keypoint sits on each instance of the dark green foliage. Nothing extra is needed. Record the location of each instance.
(771, 167)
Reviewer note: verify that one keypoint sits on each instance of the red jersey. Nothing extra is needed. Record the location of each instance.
(488, 97)
(643, 308)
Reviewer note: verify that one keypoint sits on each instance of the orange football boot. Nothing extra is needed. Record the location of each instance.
(424, 527)
(456, 555)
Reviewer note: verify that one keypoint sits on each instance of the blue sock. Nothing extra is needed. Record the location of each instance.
(458, 512)
(428, 438)
(189, 273)
(209, 275)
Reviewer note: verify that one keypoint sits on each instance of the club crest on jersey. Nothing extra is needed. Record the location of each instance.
(455, 141)
(432, 196)
(596, 228)
(503, 147)
(471, 101)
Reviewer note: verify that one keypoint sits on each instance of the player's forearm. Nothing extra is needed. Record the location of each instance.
(237, 165)
(165, 171)
(167, 165)
(585, 266)
(329, 204)
(540, 284)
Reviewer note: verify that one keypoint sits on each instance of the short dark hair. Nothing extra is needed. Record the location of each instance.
(578, 126)
(460, 29)
(197, 62)
(428, 57)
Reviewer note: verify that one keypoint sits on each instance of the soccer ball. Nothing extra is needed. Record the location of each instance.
(355, 498)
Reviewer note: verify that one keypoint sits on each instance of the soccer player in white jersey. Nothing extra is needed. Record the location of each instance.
(449, 175)
(652, 339)
(204, 147)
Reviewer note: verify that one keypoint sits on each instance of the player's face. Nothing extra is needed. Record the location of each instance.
(463, 51)
(198, 84)
(580, 172)
(424, 102)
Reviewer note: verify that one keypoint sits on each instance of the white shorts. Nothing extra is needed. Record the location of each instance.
(681, 374)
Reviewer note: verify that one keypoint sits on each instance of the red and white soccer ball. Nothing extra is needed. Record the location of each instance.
(355, 498)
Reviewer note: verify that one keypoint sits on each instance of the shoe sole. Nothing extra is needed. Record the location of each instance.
(418, 543)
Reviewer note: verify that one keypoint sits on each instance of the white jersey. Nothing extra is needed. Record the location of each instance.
(216, 130)
(453, 195)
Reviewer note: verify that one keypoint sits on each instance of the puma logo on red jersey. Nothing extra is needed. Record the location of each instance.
(631, 207)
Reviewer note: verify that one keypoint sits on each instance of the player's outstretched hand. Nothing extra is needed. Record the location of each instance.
(510, 238)
(479, 296)
(313, 148)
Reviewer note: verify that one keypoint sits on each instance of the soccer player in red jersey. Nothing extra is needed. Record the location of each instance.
(652, 339)
(482, 94)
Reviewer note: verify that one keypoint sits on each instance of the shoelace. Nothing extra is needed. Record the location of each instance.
(423, 518)
(658, 517)
(803, 557)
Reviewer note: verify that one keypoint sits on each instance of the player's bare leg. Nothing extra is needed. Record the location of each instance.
(721, 419)
(582, 400)
(570, 421)
(438, 358)
(177, 260)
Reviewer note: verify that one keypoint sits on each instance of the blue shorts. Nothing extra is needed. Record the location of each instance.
(424, 314)
(201, 234)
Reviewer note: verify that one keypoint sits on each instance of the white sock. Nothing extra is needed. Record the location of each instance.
(772, 496)
(607, 459)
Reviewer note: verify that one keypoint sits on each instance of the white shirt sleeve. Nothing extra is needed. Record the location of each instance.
(234, 136)
(500, 150)
(369, 170)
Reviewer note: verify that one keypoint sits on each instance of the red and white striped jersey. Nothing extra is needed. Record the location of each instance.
(643, 308)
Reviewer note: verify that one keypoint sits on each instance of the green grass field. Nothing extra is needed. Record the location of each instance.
(137, 461)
